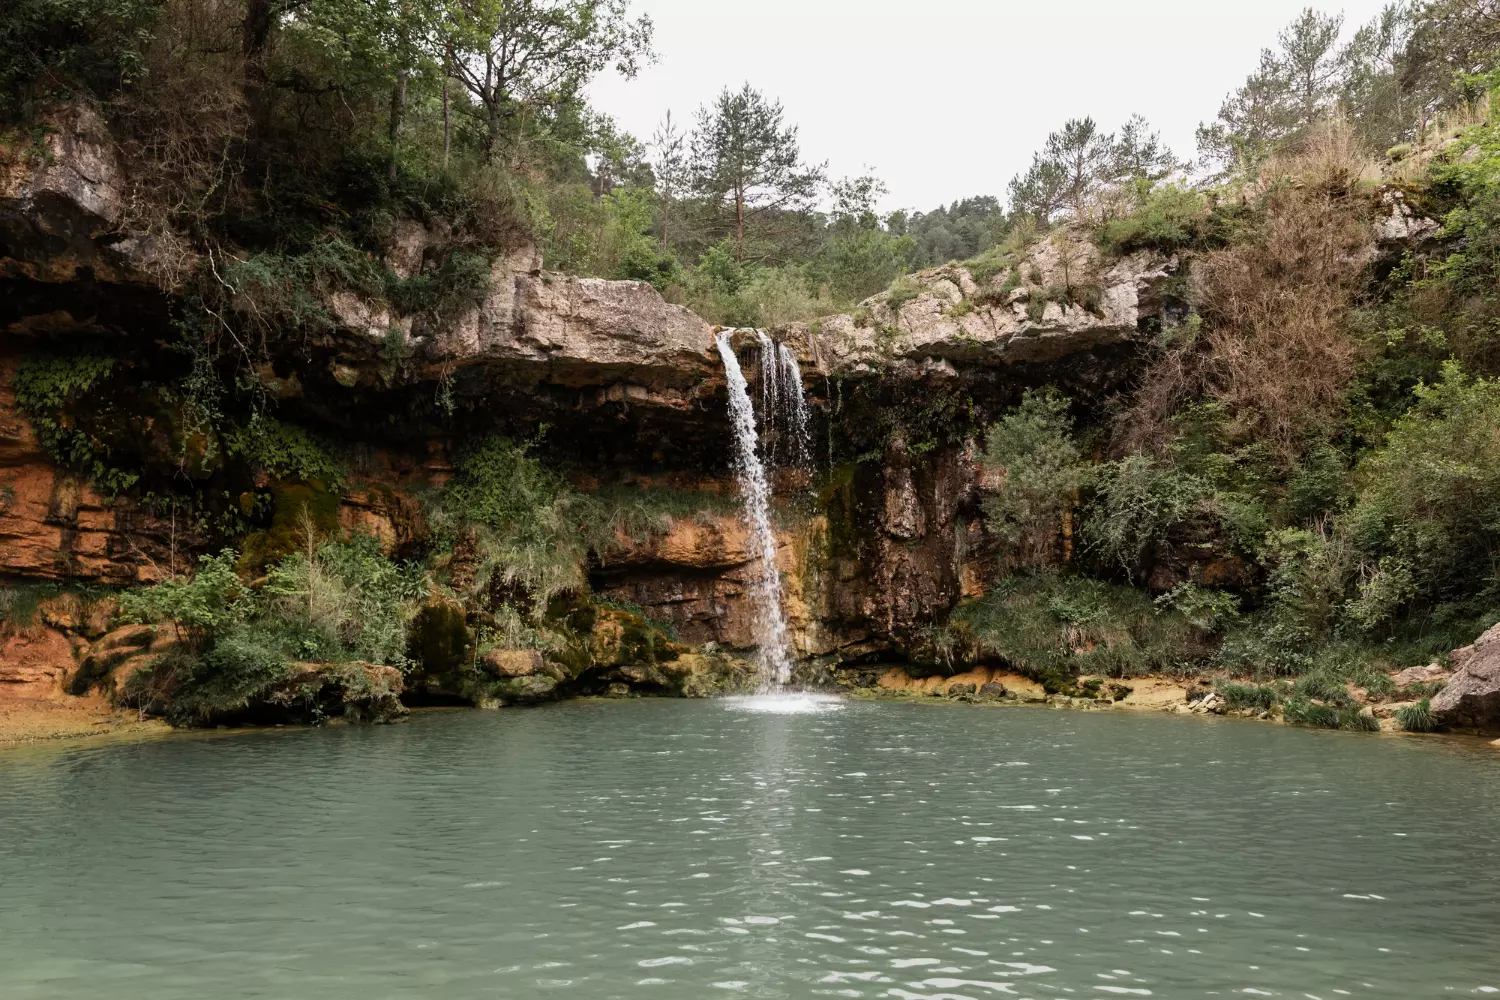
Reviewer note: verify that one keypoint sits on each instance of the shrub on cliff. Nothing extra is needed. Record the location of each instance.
(1055, 627)
(340, 601)
(1043, 470)
(1428, 516)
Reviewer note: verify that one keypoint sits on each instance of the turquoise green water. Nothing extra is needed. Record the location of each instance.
(664, 849)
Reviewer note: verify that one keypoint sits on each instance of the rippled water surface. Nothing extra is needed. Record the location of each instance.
(663, 849)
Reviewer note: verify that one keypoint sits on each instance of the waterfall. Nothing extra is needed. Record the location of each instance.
(799, 419)
(765, 588)
(770, 393)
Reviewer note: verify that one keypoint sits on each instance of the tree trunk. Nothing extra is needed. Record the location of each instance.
(260, 15)
(398, 112)
(492, 128)
(447, 119)
(739, 222)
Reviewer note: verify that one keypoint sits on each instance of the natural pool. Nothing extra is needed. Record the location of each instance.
(667, 849)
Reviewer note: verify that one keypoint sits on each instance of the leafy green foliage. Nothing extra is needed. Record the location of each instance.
(350, 596)
(200, 607)
(1043, 466)
(49, 388)
(1428, 516)
(57, 48)
(533, 530)
(285, 451)
(529, 522)
(1059, 627)
(1167, 219)
(1256, 697)
(274, 288)
(342, 601)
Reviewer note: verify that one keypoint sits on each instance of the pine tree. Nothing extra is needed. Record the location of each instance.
(746, 161)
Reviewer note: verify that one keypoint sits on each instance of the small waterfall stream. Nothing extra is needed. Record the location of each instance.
(770, 628)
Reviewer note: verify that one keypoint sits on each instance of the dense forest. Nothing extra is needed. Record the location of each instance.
(1325, 419)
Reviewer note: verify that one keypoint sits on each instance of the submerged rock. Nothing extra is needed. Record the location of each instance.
(1472, 698)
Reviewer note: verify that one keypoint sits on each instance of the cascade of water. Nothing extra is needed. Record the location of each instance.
(770, 393)
(799, 418)
(765, 588)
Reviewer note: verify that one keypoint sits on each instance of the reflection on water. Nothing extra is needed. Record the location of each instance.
(687, 850)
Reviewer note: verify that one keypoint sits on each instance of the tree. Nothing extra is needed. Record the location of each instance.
(746, 159)
(865, 255)
(1083, 152)
(672, 174)
(959, 231)
(514, 56)
(1371, 92)
(1295, 85)
(1138, 154)
(1309, 64)
(1453, 45)
(1041, 191)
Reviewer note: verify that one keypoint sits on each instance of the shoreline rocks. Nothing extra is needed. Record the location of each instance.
(1471, 699)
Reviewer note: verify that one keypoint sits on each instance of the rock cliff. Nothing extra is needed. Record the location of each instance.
(630, 385)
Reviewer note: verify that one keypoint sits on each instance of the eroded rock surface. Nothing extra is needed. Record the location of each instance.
(1471, 699)
(1041, 310)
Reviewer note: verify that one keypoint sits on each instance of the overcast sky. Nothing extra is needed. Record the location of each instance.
(948, 98)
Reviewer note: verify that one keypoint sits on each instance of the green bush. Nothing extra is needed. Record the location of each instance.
(531, 526)
(348, 595)
(1043, 464)
(343, 602)
(1417, 718)
(1261, 697)
(1428, 515)
(1053, 626)
(1301, 712)
(1136, 502)
(210, 602)
(1168, 219)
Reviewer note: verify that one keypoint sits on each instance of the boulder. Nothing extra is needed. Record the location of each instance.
(512, 662)
(523, 690)
(357, 691)
(76, 614)
(992, 690)
(118, 655)
(1472, 698)
(1430, 673)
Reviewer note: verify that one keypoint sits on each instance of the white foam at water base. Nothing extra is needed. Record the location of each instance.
(785, 704)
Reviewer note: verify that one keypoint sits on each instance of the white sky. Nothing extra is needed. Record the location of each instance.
(949, 98)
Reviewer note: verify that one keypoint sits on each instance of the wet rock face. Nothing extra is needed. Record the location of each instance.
(1471, 699)
(891, 551)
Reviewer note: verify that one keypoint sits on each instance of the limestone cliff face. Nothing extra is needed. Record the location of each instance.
(624, 378)
(946, 319)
